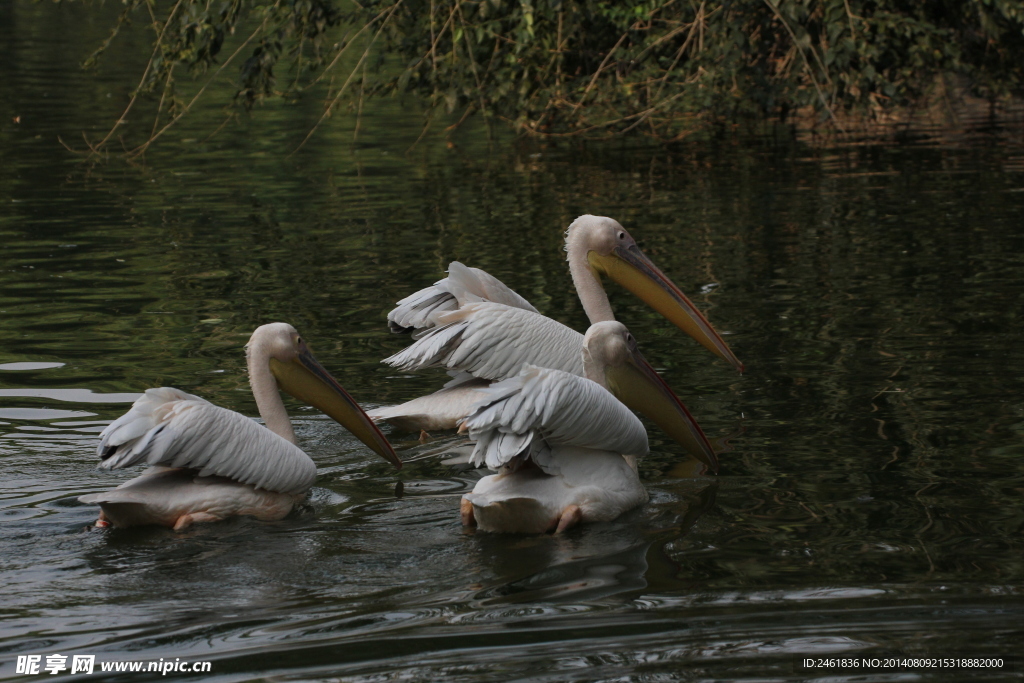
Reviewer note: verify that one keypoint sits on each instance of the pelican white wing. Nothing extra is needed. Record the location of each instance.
(171, 428)
(413, 313)
(461, 324)
(494, 341)
(418, 312)
(541, 409)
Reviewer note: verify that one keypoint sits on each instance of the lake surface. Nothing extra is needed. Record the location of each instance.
(869, 503)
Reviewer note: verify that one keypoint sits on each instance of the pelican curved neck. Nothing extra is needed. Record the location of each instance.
(588, 287)
(264, 389)
(593, 369)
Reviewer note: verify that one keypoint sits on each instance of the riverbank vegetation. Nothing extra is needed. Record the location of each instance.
(593, 68)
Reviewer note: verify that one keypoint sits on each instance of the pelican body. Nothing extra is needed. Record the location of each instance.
(209, 463)
(564, 447)
(479, 329)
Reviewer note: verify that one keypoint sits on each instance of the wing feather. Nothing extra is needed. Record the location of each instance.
(171, 428)
(414, 311)
(470, 285)
(494, 341)
(419, 311)
(541, 409)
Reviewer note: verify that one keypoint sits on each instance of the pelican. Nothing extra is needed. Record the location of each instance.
(482, 331)
(565, 448)
(209, 463)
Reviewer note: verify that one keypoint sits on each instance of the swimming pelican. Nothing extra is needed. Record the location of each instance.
(482, 331)
(209, 463)
(565, 448)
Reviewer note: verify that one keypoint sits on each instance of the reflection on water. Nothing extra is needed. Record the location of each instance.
(70, 395)
(870, 502)
(29, 366)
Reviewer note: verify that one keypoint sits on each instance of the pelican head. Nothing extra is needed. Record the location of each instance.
(608, 249)
(299, 374)
(611, 358)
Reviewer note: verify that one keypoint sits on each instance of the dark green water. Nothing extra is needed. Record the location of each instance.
(870, 504)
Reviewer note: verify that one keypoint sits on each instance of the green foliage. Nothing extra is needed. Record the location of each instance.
(192, 34)
(571, 66)
(600, 67)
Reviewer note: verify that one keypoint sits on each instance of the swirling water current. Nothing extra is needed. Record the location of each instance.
(869, 502)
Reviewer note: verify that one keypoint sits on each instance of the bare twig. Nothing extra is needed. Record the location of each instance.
(350, 42)
(606, 124)
(359, 106)
(558, 56)
(149, 65)
(152, 17)
(850, 17)
(227, 120)
(163, 96)
(426, 127)
(362, 58)
(807, 63)
(598, 72)
(433, 42)
(472, 60)
(668, 36)
(698, 19)
(465, 115)
(298, 63)
(143, 147)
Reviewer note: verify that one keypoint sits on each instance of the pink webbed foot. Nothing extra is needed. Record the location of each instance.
(571, 516)
(466, 513)
(188, 520)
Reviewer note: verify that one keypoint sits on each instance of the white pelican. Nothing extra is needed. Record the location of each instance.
(476, 327)
(564, 447)
(209, 463)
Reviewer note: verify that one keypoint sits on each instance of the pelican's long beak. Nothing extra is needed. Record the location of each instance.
(307, 380)
(631, 268)
(641, 388)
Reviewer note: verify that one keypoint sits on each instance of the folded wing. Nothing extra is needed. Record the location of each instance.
(171, 428)
(493, 341)
(541, 409)
(418, 312)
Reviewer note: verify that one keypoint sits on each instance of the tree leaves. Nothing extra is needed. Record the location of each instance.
(598, 67)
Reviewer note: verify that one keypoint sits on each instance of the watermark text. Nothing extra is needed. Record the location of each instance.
(87, 664)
